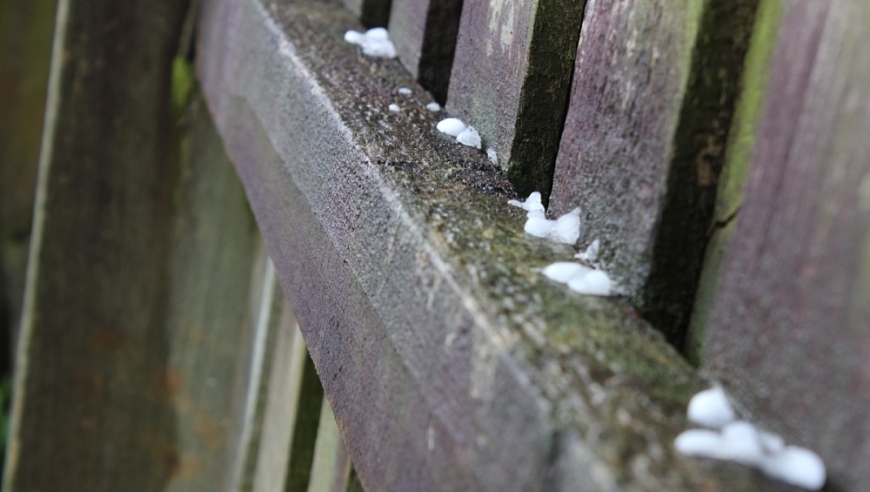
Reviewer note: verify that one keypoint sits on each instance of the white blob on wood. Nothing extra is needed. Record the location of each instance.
(797, 466)
(564, 271)
(451, 126)
(538, 225)
(433, 106)
(711, 408)
(394, 108)
(595, 283)
(742, 442)
(567, 229)
(469, 137)
(591, 253)
(374, 42)
(493, 156)
(533, 201)
(405, 91)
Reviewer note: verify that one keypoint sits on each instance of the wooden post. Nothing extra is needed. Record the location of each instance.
(137, 294)
(511, 79)
(651, 104)
(424, 32)
(787, 331)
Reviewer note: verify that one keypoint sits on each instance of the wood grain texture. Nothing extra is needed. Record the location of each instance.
(788, 330)
(138, 286)
(424, 32)
(282, 404)
(511, 79)
(651, 104)
(448, 362)
(26, 29)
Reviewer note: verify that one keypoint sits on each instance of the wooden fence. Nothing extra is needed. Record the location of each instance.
(717, 150)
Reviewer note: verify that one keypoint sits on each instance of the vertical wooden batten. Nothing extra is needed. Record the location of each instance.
(424, 32)
(653, 93)
(511, 79)
(787, 327)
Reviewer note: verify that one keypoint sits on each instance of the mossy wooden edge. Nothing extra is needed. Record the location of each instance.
(449, 363)
(729, 193)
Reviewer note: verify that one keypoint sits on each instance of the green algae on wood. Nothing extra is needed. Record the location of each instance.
(653, 93)
(732, 179)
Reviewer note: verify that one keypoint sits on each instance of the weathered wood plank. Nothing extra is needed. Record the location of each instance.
(651, 104)
(308, 407)
(424, 32)
(138, 285)
(252, 378)
(788, 329)
(282, 404)
(511, 80)
(372, 13)
(330, 470)
(106, 164)
(26, 29)
(449, 363)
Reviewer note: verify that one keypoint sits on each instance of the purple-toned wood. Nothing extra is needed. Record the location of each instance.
(449, 362)
(511, 78)
(424, 32)
(789, 332)
(642, 146)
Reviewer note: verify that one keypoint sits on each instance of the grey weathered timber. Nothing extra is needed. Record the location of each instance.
(309, 404)
(282, 405)
(424, 32)
(371, 13)
(788, 329)
(253, 378)
(137, 291)
(642, 148)
(330, 470)
(448, 362)
(511, 80)
(26, 27)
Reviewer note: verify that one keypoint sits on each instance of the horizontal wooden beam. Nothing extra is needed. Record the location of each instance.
(448, 362)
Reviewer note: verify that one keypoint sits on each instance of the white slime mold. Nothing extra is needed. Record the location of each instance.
(451, 126)
(469, 137)
(375, 42)
(741, 442)
(433, 106)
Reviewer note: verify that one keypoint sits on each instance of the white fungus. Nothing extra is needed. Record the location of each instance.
(469, 137)
(404, 91)
(433, 106)
(374, 42)
(532, 202)
(711, 408)
(590, 255)
(594, 283)
(564, 271)
(394, 108)
(567, 229)
(741, 442)
(493, 157)
(451, 126)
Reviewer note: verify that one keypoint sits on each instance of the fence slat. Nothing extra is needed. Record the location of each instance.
(788, 328)
(330, 469)
(424, 32)
(511, 79)
(138, 282)
(449, 362)
(652, 98)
